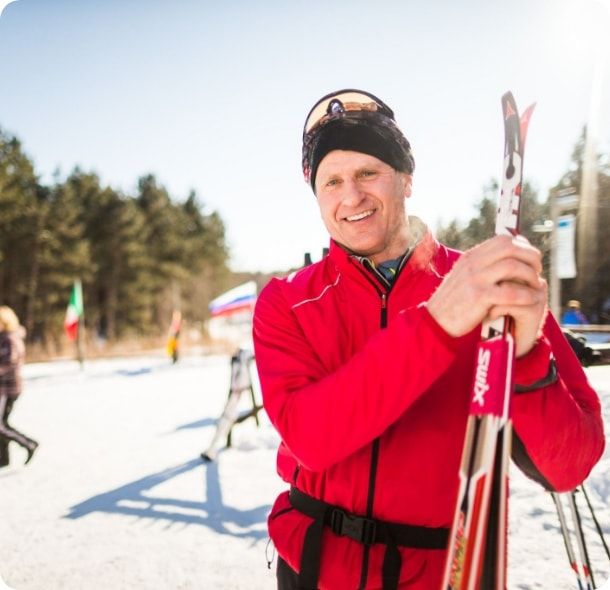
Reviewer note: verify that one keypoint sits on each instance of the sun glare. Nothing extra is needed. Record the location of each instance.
(580, 30)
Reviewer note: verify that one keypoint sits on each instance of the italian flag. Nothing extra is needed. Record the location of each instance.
(74, 312)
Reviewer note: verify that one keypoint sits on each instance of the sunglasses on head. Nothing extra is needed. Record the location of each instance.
(339, 103)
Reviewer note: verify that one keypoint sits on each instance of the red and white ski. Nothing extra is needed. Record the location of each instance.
(477, 549)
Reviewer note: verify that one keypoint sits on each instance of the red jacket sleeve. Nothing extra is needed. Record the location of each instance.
(324, 417)
(560, 425)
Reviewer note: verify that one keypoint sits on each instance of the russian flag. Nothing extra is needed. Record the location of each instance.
(238, 299)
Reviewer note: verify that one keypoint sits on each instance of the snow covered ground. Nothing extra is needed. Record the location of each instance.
(117, 497)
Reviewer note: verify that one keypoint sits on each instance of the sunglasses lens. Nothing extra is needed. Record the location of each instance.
(341, 102)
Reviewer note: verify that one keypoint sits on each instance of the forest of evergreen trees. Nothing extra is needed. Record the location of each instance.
(138, 256)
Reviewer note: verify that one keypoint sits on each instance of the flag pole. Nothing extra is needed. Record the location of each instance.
(80, 331)
(74, 320)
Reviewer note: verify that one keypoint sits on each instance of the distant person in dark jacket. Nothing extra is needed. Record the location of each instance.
(573, 316)
(12, 355)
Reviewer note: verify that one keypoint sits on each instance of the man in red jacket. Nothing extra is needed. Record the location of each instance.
(366, 360)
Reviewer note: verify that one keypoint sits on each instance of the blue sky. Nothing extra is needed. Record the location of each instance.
(212, 96)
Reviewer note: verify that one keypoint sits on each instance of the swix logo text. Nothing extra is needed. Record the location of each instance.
(481, 386)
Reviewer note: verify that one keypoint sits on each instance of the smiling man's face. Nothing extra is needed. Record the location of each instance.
(362, 203)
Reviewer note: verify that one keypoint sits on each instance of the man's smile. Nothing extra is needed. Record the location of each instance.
(360, 216)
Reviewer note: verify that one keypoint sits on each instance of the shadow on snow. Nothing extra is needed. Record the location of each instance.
(203, 423)
(131, 500)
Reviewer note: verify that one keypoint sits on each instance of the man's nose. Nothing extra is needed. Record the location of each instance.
(352, 193)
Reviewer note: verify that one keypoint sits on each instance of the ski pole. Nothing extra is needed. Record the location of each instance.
(565, 533)
(580, 541)
(597, 526)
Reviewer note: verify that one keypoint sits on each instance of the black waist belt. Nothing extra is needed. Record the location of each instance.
(367, 531)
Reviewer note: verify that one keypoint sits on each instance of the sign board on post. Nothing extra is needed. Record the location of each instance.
(566, 261)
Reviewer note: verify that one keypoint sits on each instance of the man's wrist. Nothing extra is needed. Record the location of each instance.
(536, 369)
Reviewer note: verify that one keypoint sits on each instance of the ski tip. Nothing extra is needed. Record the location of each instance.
(509, 106)
(524, 123)
(527, 113)
(508, 96)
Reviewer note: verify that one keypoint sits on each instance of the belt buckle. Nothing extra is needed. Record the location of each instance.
(355, 527)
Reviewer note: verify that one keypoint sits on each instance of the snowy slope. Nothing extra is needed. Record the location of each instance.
(117, 497)
(536, 552)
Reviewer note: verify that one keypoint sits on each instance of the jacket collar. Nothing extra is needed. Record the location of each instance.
(425, 247)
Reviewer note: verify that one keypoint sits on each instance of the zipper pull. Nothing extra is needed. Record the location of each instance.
(267, 559)
(384, 311)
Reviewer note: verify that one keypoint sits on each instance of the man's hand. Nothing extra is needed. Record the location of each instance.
(498, 277)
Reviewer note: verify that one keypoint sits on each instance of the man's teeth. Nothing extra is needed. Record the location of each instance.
(360, 215)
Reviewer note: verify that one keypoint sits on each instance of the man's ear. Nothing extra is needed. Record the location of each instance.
(407, 183)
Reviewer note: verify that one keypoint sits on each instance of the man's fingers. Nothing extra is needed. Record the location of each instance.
(510, 293)
(518, 300)
(502, 274)
(511, 270)
(503, 247)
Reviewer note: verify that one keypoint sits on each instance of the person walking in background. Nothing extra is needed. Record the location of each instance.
(12, 356)
(366, 358)
(173, 337)
(573, 315)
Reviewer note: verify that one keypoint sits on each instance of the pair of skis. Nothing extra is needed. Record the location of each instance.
(477, 549)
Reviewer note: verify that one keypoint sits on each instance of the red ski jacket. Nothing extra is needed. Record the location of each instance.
(334, 381)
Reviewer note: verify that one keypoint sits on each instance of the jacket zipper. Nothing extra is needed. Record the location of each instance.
(374, 460)
(384, 295)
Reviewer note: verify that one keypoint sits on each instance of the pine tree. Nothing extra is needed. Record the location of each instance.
(63, 254)
(19, 224)
(135, 254)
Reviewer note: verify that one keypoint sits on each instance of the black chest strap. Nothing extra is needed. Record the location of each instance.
(366, 531)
